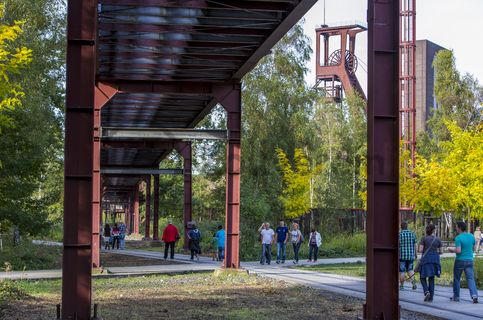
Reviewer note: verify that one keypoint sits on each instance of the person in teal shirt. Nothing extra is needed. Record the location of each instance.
(464, 247)
(220, 234)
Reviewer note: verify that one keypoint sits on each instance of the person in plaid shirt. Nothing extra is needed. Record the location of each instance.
(407, 254)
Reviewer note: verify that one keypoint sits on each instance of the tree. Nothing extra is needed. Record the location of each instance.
(13, 59)
(31, 147)
(295, 195)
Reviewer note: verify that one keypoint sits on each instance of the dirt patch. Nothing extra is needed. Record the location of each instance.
(197, 296)
(122, 260)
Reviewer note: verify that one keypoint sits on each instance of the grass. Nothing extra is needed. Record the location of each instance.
(27, 256)
(194, 296)
(359, 270)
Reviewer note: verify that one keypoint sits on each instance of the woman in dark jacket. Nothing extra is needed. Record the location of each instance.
(430, 265)
(107, 236)
(194, 236)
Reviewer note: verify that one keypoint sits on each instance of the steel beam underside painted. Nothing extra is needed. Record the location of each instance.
(163, 134)
(139, 171)
(382, 297)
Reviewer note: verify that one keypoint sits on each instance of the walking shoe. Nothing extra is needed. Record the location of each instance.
(427, 297)
(262, 263)
(309, 260)
(413, 282)
(283, 261)
(475, 299)
(278, 262)
(294, 262)
(455, 299)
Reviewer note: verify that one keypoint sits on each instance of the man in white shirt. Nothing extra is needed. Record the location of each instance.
(267, 237)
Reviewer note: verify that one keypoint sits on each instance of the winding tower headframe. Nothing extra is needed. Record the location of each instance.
(336, 69)
(407, 82)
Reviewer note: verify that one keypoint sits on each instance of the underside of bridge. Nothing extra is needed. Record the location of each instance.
(141, 74)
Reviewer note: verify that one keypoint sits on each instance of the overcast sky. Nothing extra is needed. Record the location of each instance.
(453, 24)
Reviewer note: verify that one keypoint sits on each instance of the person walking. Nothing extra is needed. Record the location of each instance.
(478, 239)
(267, 238)
(315, 241)
(429, 265)
(281, 235)
(407, 255)
(220, 235)
(107, 236)
(194, 238)
(170, 236)
(115, 237)
(464, 246)
(122, 235)
(296, 240)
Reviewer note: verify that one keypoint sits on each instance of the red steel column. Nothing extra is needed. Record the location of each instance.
(78, 159)
(156, 207)
(184, 149)
(382, 292)
(147, 221)
(136, 211)
(230, 98)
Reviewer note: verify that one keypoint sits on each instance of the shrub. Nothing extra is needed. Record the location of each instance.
(9, 290)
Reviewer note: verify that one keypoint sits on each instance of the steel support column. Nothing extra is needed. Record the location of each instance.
(136, 211)
(184, 149)
(230, 98)
(147, 220)
(382, 297)
(78, 159)
(156, 207)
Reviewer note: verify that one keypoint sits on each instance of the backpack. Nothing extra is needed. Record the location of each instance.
(195, 234)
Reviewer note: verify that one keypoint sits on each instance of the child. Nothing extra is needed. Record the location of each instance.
(214, 248)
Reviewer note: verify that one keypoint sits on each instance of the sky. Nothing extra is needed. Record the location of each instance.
(453, 24)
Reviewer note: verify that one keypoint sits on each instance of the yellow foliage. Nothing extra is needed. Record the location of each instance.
(12, 60)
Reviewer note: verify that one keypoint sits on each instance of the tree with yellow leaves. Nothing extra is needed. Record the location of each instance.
(297, 182)
(12, 60)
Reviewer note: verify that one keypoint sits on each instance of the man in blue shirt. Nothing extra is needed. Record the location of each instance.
(220, 235)
(464, 247)
(281, 234)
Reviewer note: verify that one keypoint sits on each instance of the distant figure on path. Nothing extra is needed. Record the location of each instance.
(315, 241)
(221, 235)
(122, 235)
(115, 236)
(214, 248)
(194, 236)
(267, 238)
(464, 246)
(407, 254)
(281, 234)
(296, 239)
(107, 236)
(430, 265)
(478, 239)
(170, 236)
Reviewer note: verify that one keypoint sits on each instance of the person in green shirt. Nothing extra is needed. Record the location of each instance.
(464, 247)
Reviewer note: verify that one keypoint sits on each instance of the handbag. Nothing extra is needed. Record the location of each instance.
(418, 265)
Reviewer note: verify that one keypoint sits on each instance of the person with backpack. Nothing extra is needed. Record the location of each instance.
(296, 238)
(315, 241)
(194, 236)
(429, 265)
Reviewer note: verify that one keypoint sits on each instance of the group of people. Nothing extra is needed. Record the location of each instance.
(281, 236)
(429, 267)
(171, 235)
(113, 237)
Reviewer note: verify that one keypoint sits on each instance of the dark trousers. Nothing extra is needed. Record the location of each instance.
(115, 240)
(313, 249)
(296, 248)
(429, 289)
(266, 253)
(166, 247)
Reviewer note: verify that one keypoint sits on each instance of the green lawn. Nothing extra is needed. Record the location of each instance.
(359, 270)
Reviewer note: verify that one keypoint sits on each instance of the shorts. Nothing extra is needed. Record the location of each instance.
(406, 265)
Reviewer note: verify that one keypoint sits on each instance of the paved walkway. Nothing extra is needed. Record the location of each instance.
(352, 286)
